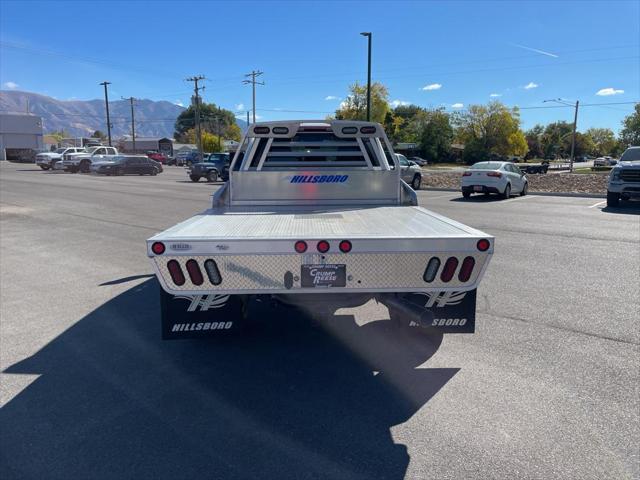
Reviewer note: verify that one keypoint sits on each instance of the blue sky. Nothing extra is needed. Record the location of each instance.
(450, 54)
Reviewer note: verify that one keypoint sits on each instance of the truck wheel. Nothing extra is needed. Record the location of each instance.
(507, 191)
(212, 176)
(194, 178)
(524, 189)
(466, 194)
(613, 199)
(416, 182)
(84, 166)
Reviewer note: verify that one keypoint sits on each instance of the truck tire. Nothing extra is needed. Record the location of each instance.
(212, 176)
(613, 199)
(194, 178)
(466, 194)
(416, 182)
(507, 192)
(85, 166)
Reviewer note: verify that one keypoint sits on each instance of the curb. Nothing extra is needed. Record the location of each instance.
(542, 194)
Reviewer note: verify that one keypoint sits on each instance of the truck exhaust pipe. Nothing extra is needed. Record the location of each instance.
(411, 311)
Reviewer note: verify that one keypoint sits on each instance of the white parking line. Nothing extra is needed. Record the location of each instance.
(598, 204)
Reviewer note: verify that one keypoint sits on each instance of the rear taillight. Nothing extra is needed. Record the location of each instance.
(483, 245)
(176, 272)
(432, 270)
(494, 174)
(323, 246)
(466, 174)
(194, 272)
(158, 248)
(345, 246)
(300, 246)
(466, 269)
(213, 273)
(449, 269)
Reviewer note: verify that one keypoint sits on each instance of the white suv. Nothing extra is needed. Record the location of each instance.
(624, 179)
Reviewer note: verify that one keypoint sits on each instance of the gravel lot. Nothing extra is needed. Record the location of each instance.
(546, 388)
(550, 182)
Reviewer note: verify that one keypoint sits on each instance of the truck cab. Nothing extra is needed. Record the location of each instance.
(624, 179)
(316, 213)
(81, 161)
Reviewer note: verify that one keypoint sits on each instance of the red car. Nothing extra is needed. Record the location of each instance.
(158, 157)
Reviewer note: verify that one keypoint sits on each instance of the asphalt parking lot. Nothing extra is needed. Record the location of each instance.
(546, 388)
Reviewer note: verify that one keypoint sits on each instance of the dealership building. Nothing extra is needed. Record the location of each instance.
(20, 136)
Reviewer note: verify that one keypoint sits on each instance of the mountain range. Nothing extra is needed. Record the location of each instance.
(83, 117)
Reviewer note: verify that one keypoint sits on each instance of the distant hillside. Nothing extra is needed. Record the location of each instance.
(81, 118)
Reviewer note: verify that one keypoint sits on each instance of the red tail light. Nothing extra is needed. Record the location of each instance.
(466, 269)
(300, 246)
(449, 269)
(194, 272)
(494, 174)
(466, 174)
(323, 246)
(157, 248)
(483, 245)
(345, 246)
(176, 272)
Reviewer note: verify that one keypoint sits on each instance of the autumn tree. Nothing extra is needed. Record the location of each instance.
(603, 141)
(630, 133)
(354, 107)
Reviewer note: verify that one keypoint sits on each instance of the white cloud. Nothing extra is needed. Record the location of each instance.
(457, 105)
(10, 85)
(331, 97)
(432, 86)
(530, 85)
(495, 95)
(397, 103)
(179, 103)
(605, 92)
(239, 106)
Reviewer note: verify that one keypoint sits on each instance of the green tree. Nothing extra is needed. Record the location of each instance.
(433, 131)
(99, 134)
(213, 120)
(490, 129)
(354, 107)
(553, 139)
(603, 140)
(533, 137)
(630, 133)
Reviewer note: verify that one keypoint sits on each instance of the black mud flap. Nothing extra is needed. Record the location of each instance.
(198, 316)
(437, 312)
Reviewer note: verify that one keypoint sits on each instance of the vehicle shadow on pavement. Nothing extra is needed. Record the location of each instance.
(479, 198)
(293, 398)
(624, 208)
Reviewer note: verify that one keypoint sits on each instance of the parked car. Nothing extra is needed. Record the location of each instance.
(127, 164)
(158, 157)
(420, 161)
(214, 167)
(503, 178)
(604, 162)
(188, 158)
(410, 171)
(624, 179)
(47, 160)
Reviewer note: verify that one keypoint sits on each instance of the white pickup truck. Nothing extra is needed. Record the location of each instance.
(47, 160)
(81, 162)
(315, 214)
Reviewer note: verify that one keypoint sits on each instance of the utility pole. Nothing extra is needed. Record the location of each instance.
(106, 104)
(133, 123)
(575, 124)
(196, 91)
(253, 82)
(368, 35)
(573, 138)
(248, 123)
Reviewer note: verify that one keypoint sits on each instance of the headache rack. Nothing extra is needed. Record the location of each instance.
(284, 163)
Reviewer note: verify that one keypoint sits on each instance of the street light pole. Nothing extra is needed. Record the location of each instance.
(368, 35)
(575, 124)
